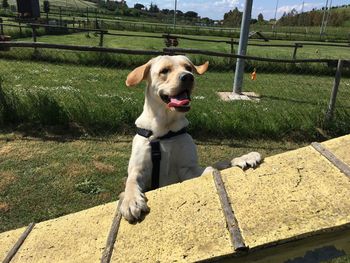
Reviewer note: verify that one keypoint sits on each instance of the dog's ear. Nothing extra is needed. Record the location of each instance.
(202, 68)
(138, 74)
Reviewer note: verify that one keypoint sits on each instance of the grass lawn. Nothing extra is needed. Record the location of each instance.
(158, 44)
(97, 101)
(42, 179)
(64, 3)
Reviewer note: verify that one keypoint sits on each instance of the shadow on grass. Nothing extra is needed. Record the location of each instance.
(296, 101)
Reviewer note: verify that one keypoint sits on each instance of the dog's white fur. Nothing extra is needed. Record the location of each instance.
(178, 154)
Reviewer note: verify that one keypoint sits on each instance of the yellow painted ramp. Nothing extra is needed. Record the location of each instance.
(292, 206)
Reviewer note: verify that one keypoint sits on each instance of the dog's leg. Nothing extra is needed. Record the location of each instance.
(251, 159)
(134, 202)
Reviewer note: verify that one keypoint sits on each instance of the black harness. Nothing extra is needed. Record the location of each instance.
(155, 151)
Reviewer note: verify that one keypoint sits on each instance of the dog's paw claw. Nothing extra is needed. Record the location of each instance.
(133, 206)
(252, 159)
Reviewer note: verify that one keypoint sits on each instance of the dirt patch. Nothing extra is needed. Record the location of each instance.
(103, 167)
(6, 178)
(76, 169)
(5, 150)
(4, 207)
(22, 150)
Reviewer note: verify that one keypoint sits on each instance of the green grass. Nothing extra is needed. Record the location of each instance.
(158, 44)
(64, 3)
(96, 100)
(42, 178)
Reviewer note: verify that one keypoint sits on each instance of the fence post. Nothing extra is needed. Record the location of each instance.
(232, 48)
(101, 39)
(20, 28)
(34, 33)
(331, 105)
(1, 27)
(295, 50)
(60, 16)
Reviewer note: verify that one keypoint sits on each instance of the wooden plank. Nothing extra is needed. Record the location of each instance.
(344, 168)
(19, 243)
(331, 104)
(222, 54)
(112, 236)
(231, 221)
(81, 48)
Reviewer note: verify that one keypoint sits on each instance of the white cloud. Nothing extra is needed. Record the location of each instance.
(307, 6)
(226, 3)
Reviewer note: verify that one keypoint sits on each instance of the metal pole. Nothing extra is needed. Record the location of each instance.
(331, 105)
(323, 17)
(242, 48)
(274, 25)
(175, 13)
(276, 11)
(328, 15)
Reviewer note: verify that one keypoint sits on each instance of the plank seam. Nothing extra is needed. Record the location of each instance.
(231, 221)
(112, 236)
(343, 167)
(19, 243)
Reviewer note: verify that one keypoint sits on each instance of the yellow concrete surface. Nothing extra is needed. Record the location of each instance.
(340, 147)
(290, 194)
(185, 224)
(7, 241)
(78, 237)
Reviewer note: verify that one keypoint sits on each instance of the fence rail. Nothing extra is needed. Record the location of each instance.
(103, 32)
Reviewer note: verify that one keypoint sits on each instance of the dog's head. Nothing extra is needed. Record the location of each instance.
(170, 80)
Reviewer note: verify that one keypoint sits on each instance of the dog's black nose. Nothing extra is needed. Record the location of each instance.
(186, 77)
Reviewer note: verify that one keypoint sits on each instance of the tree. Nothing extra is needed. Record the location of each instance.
(153, 8)
(260, 18)
(191, 14)
(5, 4)
(165, 11)
(233, 17)
(139, 6)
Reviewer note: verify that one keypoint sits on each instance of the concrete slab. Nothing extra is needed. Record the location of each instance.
(340, 147)
(185, 224)
(248, 96)
(78, 237)
(7, 241)
(289, 195)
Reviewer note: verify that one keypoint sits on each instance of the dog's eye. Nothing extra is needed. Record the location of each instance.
(188, 68)
(164, 71)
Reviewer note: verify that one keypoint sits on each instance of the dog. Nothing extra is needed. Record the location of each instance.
(170, 82)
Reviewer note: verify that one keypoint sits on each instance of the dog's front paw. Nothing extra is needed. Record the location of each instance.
(251, 159)
(133, 205)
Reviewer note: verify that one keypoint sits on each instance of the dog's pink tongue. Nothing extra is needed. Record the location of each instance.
(178, 101)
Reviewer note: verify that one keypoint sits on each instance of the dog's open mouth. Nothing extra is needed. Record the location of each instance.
(180, 102)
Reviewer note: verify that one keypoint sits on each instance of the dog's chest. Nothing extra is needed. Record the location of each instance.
(178, 154)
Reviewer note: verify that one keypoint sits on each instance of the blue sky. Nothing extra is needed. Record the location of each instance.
(215, 9)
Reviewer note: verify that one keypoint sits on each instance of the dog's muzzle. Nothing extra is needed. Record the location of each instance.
(182, 101)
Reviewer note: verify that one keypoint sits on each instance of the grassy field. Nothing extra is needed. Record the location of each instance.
(158, 44)
(42, 178)
(64, 3)
(96, 100)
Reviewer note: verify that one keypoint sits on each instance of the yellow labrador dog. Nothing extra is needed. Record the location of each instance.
(162, 152)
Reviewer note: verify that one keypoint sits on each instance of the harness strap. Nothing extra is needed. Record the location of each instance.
(155, 151)
(156, 157)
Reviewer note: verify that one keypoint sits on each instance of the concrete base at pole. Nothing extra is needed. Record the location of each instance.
(231, 96)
